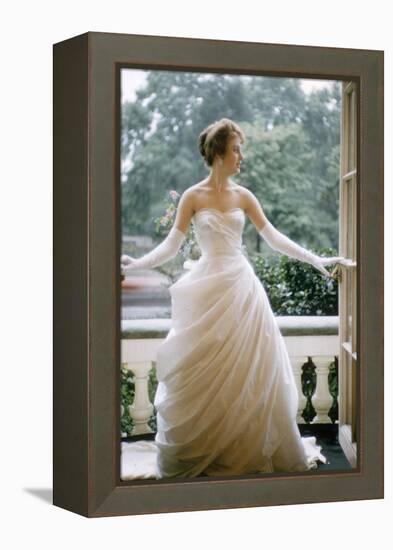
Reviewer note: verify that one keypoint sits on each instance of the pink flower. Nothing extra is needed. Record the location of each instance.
(174, 194)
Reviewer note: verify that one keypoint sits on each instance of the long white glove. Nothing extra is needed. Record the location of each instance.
(162, 253)
(283, 244)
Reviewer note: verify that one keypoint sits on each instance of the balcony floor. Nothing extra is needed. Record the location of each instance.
(326, 435)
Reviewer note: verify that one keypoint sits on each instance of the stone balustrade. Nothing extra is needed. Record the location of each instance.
(306, 337)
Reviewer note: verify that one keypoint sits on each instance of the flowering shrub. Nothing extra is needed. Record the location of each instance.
(189, 249)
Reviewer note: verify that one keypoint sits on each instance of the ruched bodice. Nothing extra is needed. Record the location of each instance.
(219, 233)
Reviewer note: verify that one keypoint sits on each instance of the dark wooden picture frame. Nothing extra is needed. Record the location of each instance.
(86, 412)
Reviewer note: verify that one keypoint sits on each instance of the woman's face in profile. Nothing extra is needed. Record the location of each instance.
(233, 156)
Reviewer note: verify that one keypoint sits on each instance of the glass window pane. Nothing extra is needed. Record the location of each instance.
(352, 131)
(348, 323)
(349, 247)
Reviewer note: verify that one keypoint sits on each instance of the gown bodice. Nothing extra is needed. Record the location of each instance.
(219, 233)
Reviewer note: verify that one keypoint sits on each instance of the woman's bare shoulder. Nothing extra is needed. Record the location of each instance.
(195, 190)
(191, 194)
(237, 187)
(247, 197)
(243, 191)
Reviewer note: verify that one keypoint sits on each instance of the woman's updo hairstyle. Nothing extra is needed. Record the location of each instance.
(213, 140)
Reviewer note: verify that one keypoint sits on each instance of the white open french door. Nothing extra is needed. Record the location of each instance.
(348, 367)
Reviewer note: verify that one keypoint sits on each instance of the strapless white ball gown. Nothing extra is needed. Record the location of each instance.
(226, 399)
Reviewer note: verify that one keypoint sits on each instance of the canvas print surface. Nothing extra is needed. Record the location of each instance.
(238, 234)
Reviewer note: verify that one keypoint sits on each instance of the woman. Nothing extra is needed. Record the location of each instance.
(226, 399)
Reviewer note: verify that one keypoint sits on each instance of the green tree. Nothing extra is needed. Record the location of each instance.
(321, 123)
(278, 101)
(275, 170)
(292, 148)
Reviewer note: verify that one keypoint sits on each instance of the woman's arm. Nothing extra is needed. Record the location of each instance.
(170, 246)
(281, 243)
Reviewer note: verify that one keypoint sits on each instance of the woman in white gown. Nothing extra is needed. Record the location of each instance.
(226, 399)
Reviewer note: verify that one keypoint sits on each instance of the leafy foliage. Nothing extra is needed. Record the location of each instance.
(296, 288)
(127, 394)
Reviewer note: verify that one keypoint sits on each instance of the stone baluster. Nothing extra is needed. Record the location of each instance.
(141, 409)
(297, 363)
(322, 400)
